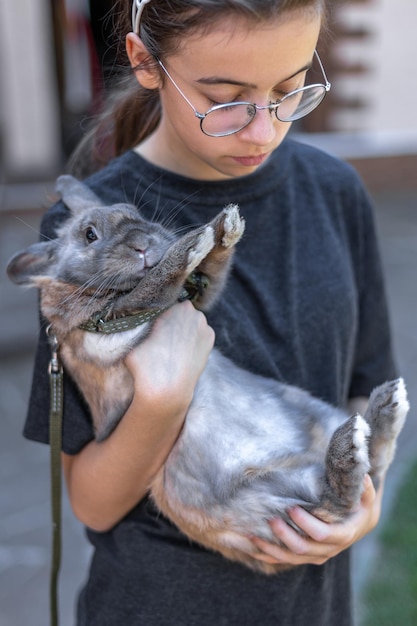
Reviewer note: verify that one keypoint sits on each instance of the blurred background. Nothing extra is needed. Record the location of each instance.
(57, 60)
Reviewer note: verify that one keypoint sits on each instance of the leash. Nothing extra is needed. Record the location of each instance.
(56, 376)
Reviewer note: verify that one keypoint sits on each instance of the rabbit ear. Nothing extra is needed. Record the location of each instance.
(24, 267)
(76, 195)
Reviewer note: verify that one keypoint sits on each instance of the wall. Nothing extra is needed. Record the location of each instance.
(29, 127)
(385, 46)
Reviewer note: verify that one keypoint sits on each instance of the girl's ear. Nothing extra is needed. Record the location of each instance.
(146, 73)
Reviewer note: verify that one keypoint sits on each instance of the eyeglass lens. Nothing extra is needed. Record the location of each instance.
(300, 103)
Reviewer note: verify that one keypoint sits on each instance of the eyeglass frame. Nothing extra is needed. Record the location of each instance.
(137, 8)
(272, 106)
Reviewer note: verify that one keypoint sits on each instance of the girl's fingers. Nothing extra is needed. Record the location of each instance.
(293, 548)
(313, 527)
(320, 540)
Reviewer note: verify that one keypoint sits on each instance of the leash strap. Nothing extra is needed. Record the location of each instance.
(55, 439)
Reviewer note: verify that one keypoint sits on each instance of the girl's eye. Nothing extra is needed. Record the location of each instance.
(90, 235)
(283, 90)
(226, 105)
(280, 93)
(215, 103)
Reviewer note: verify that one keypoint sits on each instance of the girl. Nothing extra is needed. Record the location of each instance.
(216, 85)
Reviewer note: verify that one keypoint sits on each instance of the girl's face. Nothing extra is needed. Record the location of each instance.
(231, 63)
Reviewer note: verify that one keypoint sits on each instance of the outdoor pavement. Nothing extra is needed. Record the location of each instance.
(24, 479)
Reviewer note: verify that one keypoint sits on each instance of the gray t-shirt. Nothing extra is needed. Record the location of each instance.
(305, 304)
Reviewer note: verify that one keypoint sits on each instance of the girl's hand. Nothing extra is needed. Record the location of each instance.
(323, 540)
(172, 358)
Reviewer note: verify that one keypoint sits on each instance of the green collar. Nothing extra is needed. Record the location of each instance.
(194, 287)
(96, 324)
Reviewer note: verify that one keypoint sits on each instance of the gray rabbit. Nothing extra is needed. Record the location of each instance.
(251, 447)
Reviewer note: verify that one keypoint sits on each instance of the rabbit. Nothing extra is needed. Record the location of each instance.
(251, 447)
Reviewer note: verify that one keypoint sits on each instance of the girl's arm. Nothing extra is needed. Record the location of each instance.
(106, 480)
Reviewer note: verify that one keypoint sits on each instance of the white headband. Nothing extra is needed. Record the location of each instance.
(137, 8)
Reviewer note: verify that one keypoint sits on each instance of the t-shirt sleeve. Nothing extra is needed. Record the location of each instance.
(374, 361)
(77, 428)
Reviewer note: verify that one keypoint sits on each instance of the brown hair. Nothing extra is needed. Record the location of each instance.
(133, 112)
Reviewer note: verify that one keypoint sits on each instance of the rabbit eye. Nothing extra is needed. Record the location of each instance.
(90, 235)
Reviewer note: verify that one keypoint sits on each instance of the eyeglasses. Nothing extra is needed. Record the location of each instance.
(226, 119)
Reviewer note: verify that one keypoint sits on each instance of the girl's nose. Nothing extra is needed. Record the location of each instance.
(262, 129)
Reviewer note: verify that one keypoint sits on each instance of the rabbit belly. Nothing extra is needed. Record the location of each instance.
(247, 453)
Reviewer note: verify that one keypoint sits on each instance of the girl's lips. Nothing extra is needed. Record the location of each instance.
(251, 161)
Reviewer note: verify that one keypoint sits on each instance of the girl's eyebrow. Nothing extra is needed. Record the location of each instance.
(218, 80)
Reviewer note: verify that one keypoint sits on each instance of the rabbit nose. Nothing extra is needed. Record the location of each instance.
(140, 251)
(140, 247)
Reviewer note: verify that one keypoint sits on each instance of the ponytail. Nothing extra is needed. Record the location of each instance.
(130, 115)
